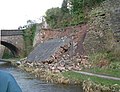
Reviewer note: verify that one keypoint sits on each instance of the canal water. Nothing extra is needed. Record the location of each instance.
(28, 83)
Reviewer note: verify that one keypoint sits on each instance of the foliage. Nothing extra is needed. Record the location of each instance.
(111, 57)
(29, 34)
(72, 12)
(115, 66)
(53, 16)
(56, 17)
(96, 57)
(76, 76)
(76, 6)
(92, 3)
(64, 7)
(7, 54)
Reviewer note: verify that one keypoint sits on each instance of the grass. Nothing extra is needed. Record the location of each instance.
(13, 59)
(96, 57)
(112, 67)
(109, 72)
(76, 76)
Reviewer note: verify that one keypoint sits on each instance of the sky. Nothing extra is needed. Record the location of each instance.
(15, 13)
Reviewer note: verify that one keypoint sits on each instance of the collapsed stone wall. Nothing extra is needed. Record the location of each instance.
(57, 49)
(46, 34)
(75, 33)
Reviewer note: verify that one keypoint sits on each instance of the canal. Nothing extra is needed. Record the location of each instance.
(28, 83)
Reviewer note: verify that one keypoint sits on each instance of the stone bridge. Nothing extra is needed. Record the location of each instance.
(13, 40)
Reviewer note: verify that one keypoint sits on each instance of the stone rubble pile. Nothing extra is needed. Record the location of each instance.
(62, 59)
(65, 64)
(55, 55)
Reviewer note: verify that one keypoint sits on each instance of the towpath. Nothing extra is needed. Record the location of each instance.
(98, 75)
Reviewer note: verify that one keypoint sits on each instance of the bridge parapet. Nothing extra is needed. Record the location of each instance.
(11, 32)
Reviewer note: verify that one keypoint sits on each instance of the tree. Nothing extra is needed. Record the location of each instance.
(64, 6)
(53, 16)
(76, 6)
(76, 11)
(31, 22)
(72, 12)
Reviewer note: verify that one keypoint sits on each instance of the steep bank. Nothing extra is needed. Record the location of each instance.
(104, 31)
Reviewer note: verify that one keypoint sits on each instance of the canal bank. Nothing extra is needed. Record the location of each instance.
(29, 83)
(88, 83)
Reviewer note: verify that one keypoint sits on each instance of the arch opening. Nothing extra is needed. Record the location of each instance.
(14, 50)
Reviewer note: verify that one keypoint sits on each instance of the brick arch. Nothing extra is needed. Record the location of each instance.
(11, 47)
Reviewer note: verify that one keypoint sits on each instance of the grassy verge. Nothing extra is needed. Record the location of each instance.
(12, 59)
(105, 63)
(109, 72)
(97, 80)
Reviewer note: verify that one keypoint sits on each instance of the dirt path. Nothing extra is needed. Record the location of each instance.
(98, 75)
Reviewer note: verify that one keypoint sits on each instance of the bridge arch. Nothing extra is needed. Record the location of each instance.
(11, 47)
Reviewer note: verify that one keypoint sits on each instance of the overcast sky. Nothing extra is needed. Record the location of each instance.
(15, 13)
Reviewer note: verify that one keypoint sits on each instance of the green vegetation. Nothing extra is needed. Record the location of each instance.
(103, 71)
(76, 76)
(109, 58)
(7, 54)
(106, 63)
(114, 56)
(53, 17)
(96, 57)
(72, 12)
(29, 34)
